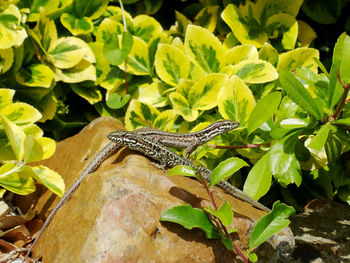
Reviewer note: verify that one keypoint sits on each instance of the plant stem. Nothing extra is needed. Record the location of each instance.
(249, 145)
(223, 227)
(125, 61)
(343, 99)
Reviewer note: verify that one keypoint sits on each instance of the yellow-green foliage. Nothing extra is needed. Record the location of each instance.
(22, 142)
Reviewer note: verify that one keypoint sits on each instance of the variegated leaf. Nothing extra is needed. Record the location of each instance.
(67, 52)
(182, 107)
(151, 94)
(171, 64)
(6, 59)
(283, 23)
(139, 115)
(203, 94)
(138, 59)
(146, 27)
(258, 71)
(81, 72)
(241, 53)
(11, 31)
(233, 18)
(6, 96)
(207, 17)
(21, 113)
(300, 57)
(77, 25)
(204, 49)
(236, 101)
(36, 75)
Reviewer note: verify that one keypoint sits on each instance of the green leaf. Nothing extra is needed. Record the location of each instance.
(138, 58)
(259, 178)
(36, 75)
(89, 8)
(207, 17)
(16, 137)
(183, 170)
(67, 52)
(146, 27)
(49, 179)
(293, 123)
(6, 59)
(11, 31)
(171, 64)
(204, 49)
(297, 58)
(270, 224)
(320, 139)
(225, 169)
(115, 101)
(107, 28)
(139, 115)
(37, 149)
(342, 121)
(152, 94)
(282, 153)
(297, 92)
(242, 31)
(202, 95)
(286, 24)
(113, 53)
(236, 101)
(190, 218)
(333, 146)
(268, 53)
(323, 11)
(19, 182)
(258, 71)
(21, 113)
(188, 101)
(182, 107)
(292, 174)
(102, 65)
(79, 73)
(341, 63)
(165, 120)
(77, 25)
(241, 53)
(263, 111)
(6, 96)
(224, 213)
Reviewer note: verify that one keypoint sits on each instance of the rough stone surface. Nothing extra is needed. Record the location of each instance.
(114, 215)
(322, 233)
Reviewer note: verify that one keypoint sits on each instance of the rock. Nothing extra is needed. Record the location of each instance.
(114, 215)
(322, 232)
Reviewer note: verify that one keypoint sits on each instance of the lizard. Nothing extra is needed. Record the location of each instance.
(190, 141)
(169, 159)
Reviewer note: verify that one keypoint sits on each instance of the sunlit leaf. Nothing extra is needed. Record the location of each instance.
(270, 224)
(171, 64)
(204, 49)
(236, 101)
(36, 75)
(190, 218)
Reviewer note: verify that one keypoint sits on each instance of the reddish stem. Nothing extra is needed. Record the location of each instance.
(343, 100)
(223, 227)
(249, 145)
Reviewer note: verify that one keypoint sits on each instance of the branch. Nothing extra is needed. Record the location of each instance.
(343, 100)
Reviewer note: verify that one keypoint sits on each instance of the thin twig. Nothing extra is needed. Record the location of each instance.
(223, 227)
(125, 61)
(343, 99)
